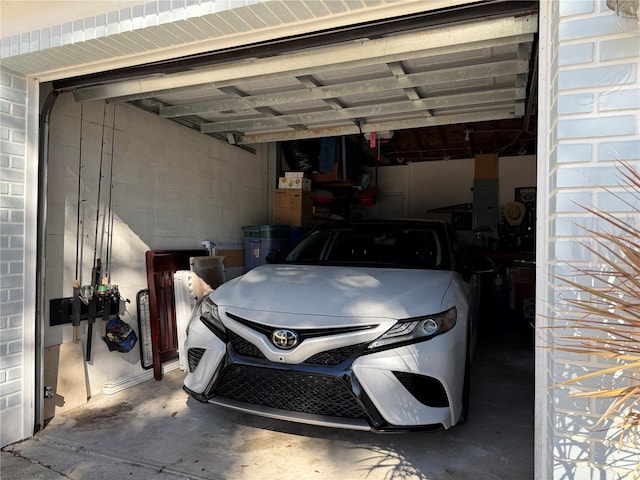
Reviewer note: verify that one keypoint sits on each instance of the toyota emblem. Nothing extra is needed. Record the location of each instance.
(284, 339)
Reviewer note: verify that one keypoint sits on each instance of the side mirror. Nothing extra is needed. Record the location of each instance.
(475, 265)
(481, 264)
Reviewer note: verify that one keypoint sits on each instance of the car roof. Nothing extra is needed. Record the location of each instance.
(407, 222)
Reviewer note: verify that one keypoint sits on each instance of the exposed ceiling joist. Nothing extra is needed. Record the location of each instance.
(443, 79)
(496, 114)
(398, 70)
(313, 92)
(490, 97)
(433, 42)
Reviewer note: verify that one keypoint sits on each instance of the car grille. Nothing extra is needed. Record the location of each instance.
(194, 355)
(289, 390)
(244, 347)
(335, 356)
(303, 333)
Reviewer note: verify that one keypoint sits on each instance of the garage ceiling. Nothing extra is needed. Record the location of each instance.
(432, 91)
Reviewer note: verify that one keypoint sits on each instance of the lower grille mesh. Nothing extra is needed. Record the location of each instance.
(335, 356)
(194, 355)
(289, 390)
(244, 347)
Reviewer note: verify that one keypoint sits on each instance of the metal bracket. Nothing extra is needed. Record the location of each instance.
(60, 309)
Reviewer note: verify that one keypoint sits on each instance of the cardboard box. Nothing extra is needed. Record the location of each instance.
(232, 257)
(295, 183)
(486, 166)
(292, 207)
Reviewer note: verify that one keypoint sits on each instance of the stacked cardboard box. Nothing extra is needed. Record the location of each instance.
(292, 203)
(486, 166)
(294, 183)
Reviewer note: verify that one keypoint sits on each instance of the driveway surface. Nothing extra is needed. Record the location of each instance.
(154, 430)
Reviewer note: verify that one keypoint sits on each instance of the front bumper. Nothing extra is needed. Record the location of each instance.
(408, 387)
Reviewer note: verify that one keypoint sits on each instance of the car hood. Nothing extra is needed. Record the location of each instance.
(336, 291)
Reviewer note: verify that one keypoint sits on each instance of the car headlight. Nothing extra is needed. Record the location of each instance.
(210, 317)
(415, 329)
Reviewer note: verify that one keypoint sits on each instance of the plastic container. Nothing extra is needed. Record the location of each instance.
(261, 240)
(275, 231)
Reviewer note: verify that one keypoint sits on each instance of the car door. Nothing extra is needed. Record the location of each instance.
(461, 265)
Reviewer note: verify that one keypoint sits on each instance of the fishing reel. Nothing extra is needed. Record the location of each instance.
(102, 294)
(86, 294)
(109, 296)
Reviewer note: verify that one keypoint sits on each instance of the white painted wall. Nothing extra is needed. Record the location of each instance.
(172, 188)
(412, 190)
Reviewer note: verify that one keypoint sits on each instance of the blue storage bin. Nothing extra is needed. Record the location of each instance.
(261, 240)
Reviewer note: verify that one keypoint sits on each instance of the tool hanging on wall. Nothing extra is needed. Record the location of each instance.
(116, 333)
(110, 210)
(95, 270)
(111, 292)
(76, 306)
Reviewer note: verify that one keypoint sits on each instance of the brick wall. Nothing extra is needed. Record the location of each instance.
(12, 266)
(592, 106)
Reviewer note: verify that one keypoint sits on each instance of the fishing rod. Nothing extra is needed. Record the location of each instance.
(106, 309)
(95, 270)
(95, 243)
(116, 334)
(75, 308)
(107, 277)
(82, 222)
(107, 271)
(113, 291)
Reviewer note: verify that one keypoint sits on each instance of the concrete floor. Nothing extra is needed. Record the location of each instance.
(153, 430)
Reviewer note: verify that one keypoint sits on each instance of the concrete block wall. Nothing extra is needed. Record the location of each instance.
(172, 188)
(12, 254)
(592, 110)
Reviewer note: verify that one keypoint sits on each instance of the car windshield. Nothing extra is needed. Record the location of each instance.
(378, 245)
